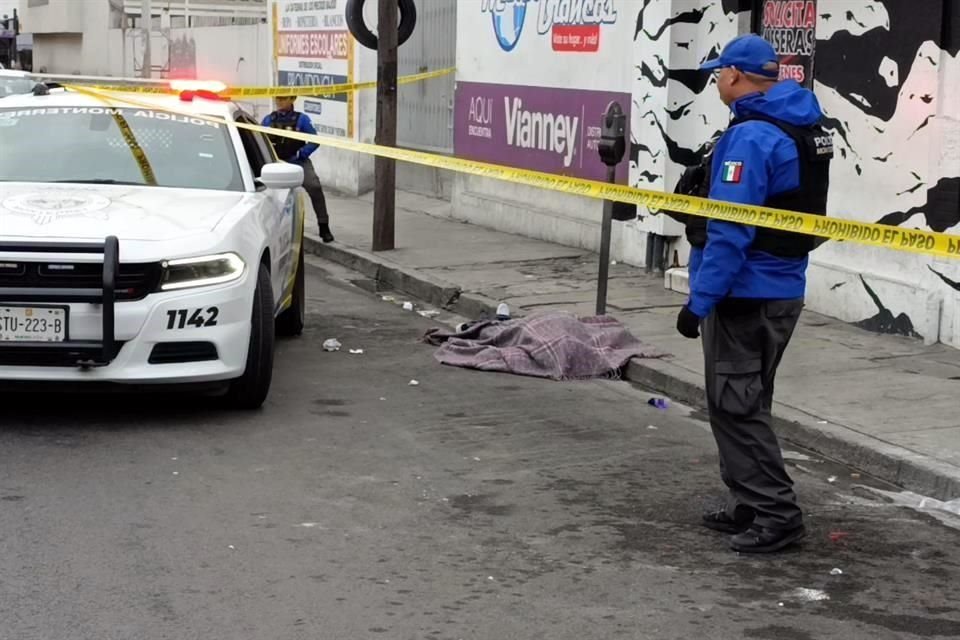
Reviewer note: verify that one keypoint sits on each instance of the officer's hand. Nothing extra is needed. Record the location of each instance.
(688, 323)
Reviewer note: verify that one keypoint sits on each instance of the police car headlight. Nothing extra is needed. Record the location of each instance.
(202, 271)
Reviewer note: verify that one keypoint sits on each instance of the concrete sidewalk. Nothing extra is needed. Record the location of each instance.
(886, 404)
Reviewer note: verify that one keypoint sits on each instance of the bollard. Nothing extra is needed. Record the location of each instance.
(612, 147)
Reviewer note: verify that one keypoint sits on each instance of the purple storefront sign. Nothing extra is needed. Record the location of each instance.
(545, 129)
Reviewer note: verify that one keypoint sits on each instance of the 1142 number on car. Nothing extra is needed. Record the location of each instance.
(195, 318)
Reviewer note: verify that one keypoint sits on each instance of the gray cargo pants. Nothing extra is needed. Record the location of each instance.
(311, 184)
(743, 342)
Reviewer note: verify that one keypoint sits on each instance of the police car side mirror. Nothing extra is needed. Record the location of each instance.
(281, 175)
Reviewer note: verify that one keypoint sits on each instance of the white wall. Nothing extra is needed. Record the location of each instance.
(57, 52)
(7, 7)
(56, 27)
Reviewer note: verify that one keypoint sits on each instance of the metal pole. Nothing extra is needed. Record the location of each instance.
(606, 230)
(611, 147)
(385, 170)
(146, 23)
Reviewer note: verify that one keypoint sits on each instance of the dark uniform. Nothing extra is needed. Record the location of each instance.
(298, 152)
(746, 290)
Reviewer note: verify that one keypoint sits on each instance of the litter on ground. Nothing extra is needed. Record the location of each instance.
(804, 594)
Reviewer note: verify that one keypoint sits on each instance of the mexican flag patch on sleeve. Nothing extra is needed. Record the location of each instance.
(732, 171)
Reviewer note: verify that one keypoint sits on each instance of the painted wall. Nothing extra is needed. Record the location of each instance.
(887, 78)
(894, 118)
(675, 111)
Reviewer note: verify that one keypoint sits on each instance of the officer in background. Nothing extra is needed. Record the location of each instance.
(747, 286)
(298, 152)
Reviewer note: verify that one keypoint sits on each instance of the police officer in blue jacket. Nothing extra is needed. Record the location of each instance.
(747, 284)
(298, 151)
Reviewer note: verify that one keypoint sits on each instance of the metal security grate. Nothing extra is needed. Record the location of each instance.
(425, 112)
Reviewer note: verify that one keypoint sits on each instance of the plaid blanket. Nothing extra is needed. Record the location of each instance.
(554, 345)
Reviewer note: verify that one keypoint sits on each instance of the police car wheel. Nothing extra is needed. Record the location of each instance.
(290, 322)
(251, 389)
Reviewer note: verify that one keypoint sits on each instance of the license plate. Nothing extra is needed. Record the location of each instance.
(33, 324)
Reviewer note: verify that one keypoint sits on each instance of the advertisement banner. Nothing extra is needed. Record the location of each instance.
(790, 26)
(314, 47)
(545, 129)
(534, 78)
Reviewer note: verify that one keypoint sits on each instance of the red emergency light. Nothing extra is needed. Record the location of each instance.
(206, 89)
(213, 86)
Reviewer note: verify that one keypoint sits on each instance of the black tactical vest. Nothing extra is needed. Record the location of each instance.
(695, 181)
(815, 151)
(286, 148)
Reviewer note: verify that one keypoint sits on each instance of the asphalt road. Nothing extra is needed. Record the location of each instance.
(487, 506)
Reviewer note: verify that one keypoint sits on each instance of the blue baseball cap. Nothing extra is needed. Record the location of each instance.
(747, 53)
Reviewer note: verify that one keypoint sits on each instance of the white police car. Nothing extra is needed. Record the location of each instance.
(140, 245)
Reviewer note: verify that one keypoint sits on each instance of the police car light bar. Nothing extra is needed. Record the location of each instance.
(207, 86)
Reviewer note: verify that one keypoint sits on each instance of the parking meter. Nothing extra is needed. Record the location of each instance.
(612, 147)
(613, 135)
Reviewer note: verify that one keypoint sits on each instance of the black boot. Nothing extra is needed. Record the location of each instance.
(765, 540)
(720, 521)
(325, 234)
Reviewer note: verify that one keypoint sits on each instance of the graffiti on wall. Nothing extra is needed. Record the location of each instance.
(879, 66)
(675, 111)
(882, 105)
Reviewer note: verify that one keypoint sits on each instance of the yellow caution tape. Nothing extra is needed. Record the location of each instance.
(139, 155)
(918, 241)
(313, 91)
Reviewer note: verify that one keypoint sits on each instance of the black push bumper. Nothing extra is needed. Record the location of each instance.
(78, 353)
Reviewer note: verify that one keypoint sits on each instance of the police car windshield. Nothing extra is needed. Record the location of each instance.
(120, 146)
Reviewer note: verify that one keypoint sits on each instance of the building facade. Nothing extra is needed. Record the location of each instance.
(533, 77)
(887, 75)
(78, 36)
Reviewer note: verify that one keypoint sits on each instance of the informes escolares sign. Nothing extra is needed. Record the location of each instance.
(313, 46)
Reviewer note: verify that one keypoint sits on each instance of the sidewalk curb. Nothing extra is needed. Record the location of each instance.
(882, 460)
(436, 291)
(875, 457)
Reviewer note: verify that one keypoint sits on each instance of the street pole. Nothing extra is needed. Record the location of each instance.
(385, 170)
(612, 147)
(146, 23)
